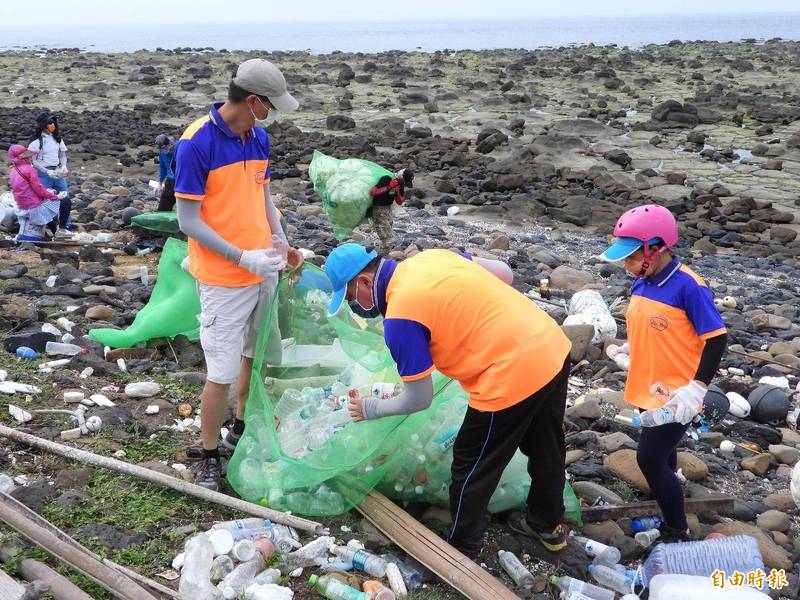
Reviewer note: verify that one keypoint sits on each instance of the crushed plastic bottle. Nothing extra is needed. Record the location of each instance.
(646, 538)
(241, 577)
(601, 553)
(333, 589)
(645, 523)
(195, 579)
(515, 569)
(570, 584)
(221, 566)
(362, 560)
(608, 577)
(59, 349)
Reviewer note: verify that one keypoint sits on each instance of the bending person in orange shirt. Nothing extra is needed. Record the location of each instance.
(461, 316)
(676, 339)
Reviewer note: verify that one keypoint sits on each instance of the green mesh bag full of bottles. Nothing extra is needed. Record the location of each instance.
(301, 452)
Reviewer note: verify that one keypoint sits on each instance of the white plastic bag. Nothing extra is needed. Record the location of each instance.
(587, 307)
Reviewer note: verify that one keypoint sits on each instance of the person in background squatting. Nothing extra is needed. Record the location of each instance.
(458, 314)
(165, 146)
(676, 337)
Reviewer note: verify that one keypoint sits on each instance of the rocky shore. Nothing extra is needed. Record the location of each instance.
(539, 151)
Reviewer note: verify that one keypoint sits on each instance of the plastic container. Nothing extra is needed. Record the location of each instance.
(222, 540)
(59, 349)
(244, 550)
(221, 566)
(739, 406)
(378, 591)
(646, 538)
(570, 584)
(26, 353)
(396, 579)
(362, 560)
(602, 554)
(515, 569)
(196, 574)
(609, 578)
(240, 578)
(645, 523)
(734, 553)
(689, 587)
(333, 589)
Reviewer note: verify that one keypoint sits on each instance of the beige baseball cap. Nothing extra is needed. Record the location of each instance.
(259, 76)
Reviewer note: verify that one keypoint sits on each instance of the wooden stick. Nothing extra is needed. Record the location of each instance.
(440, 557)
(61, 588)
(45, 524)
(174, 483)
(114, 582)
(646, 509)
(10, 589)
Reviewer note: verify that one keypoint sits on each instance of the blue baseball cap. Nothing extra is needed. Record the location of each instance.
(624, 247)
(343, 264)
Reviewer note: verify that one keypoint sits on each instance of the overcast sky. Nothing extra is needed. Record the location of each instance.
(71, 12)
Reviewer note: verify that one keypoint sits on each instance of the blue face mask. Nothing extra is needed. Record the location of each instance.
(367, 313)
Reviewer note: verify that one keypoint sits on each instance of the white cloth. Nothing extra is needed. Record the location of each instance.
(47, 152)
(230, 321)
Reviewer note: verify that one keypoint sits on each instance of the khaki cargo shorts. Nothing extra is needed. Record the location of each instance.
(230, 321)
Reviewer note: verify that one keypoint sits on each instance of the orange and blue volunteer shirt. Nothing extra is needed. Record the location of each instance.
(447, 313)
(669, 319)
(227, 176)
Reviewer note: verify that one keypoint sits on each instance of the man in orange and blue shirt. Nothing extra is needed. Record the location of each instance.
(225, 209)
(676, 340)
(461, 316)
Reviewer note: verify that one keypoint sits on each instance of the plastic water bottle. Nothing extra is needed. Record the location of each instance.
(655, 417)
(237, 580)
(6, 483)
(244, 551)
(221, 566)
(362, 560)
(59, 349)
(602, 554)
(196, 574)
(608, 577)
(26, 353)
(645, 523)
(268, 576)
(734, 553)
(646, 538)
(333, 589)
(569, 584)
(515, 569)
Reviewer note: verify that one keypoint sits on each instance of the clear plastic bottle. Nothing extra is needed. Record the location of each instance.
(268, 576)
(221, 566)
(646, 538)
(411, 576)
(645, 523)
(654, 417)
(378, 590)
(362, 560)
(195, 579)
(395, 578)
(733, 553)
(569, 584)
(515, 569)
(59, 349)
(6, 483)
(333, 589)
(244, 551)
(602, 554)
(608, 577)
(237, 580)
(268, 591)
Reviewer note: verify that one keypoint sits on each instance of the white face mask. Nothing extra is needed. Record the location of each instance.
(266, 121)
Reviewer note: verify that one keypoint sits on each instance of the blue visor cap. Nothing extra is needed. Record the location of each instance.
(343, 264)
(624, 247)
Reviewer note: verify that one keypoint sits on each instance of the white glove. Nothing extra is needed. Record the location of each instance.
(260, 263)
(63, 194)
(158, 189)
(52, 174)
(687, 401)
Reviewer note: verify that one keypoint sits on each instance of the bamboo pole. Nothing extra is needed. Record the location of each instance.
(61, 588)
(174, 483)
(115, 582)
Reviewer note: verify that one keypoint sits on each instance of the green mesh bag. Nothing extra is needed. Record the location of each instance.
(343, 186)
(172, 309)
(300, 452)
(166, 221)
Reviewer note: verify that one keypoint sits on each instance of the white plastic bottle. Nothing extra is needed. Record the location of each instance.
(221, 566)
(515, 569)
(241, 577)
(646, 538)
(362, 560)
(396, 581)
(196, 574)
(6, 483)
(268, 576)
(608, 577)
(602, 554)
(59, 349)
(569, 584)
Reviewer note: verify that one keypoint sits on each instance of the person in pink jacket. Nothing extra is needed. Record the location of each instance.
(37, 205)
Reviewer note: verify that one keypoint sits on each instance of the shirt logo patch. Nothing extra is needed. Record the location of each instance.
(261, 177)
(659, 322)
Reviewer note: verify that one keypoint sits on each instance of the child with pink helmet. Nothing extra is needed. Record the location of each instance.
(37, 205)
(676, 338)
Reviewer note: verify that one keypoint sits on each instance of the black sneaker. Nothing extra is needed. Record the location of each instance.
(671, 535)
(207, 473)
(230, 440)
(554, 541)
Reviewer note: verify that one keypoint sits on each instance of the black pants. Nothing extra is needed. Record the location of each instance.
(167, 200)
(483, 448)
(657, 456)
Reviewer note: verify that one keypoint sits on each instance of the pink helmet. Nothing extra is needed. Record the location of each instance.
(641, 227)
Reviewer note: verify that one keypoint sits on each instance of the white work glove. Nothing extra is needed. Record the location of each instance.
(261, 263)
(687, 401)
(63, 194)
